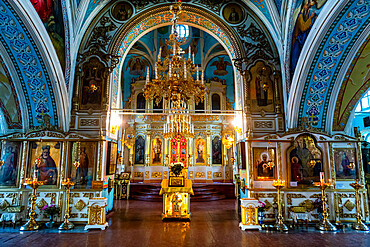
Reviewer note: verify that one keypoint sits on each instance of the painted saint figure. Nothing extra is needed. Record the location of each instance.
(8, 171)
(83, 168)
(200, 149)
(157, 150)
(262, 167)
(47, 170)
(234, 16)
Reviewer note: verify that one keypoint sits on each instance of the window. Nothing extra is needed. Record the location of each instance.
(364, 103)
(216, 104)
(182, 31)
(199, 108)
(140, 102)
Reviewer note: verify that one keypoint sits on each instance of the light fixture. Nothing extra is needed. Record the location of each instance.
(238, 123)
(115, 122)
(174, 81)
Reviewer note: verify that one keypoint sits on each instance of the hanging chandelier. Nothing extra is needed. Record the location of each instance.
(178, 121)
(174, 81)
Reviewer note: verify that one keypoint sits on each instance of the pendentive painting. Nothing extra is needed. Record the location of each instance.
(9, 160)
(122, 11)
(305, 160)
(216, 151)
(51, 15)
(44, 161)
(233, 13)
(344, 160)
(264, 163)
(157, 151)
(139, 150)
(200, 151)
(82, 163)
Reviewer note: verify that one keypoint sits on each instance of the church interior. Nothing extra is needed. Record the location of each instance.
(253, 108)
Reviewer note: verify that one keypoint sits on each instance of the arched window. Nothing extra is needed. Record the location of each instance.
(216, 102)
(182, 31)
(199, 108)
(140, 102)
(158, 108)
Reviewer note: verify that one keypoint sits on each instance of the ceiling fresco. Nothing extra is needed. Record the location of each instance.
(328, 61)
(355, 84)
(33, 76)
(9, 103)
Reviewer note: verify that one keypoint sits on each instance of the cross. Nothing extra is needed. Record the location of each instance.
(176, 201)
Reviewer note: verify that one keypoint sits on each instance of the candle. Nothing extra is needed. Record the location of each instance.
(202, 76)
(321, 177)
(156, 71)
(197, 73)
(159, 54)
(185, 72)
(147, 74)
(189, 53)
(35, 175)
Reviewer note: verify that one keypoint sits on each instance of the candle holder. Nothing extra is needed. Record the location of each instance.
(280, 226)
(32, 225)
(324, 224)
(359, 225)
(66, 225)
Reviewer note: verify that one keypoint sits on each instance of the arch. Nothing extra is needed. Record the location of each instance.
(159, 17)
(320, 76)
(40, 76)
(216, 102)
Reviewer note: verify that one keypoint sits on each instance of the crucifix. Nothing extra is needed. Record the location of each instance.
(176, 201)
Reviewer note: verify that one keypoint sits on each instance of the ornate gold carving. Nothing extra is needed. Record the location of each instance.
(138, 174)
(40, 204)
(227, 174)
(84, 215)
(209, 175)
(155, 118)
(191, 174)
(75, 194)
(156, 174)
(308, 204)
(290, 196)
(204, 118)
(88, 195)
(4, 205)
(250, 215)
(200, 175)
(96, 215)
(268, 205)
(217, 174)
(73, 215)
(52, 196)
(349, 205)
(146, 174)
(80, 205)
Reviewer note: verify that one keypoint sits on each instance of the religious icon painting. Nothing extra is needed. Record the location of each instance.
(264, 160)
(122, 11)
(216, 150)
(304, 161)
(44, 160)
(139, 150)
(9, 158)
(157, 151)
(200, 151)
(233, 13)
(81, 166)
(344, 160)
(111, 162)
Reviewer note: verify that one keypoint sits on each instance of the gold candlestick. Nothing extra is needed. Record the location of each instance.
(324, 224)
(32, 225)
(359, 225)
(66, 225)
(280, 226)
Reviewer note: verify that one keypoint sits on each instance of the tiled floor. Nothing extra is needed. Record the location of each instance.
(138, 223)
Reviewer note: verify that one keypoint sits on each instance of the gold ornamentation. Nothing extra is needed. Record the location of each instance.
(308, 204)
(209, 175)
(80, 205)
(279, 184)
(88, 195)
(227, 174)
(217, 174)
(290, 196)
(200, 175)
(4, 205)
(95, 215)
(41, 204)
(349, 205)
(66, 225)
(138, 174)
(156, 174)
(146, 174)
(191, 174)
(84, 215)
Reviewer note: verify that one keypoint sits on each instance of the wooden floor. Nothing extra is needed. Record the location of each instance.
(138, 223)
